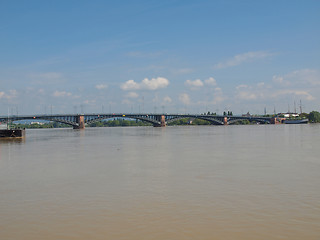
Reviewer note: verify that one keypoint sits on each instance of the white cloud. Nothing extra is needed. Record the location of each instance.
(130, 85)
(299, 93)
(61, 94)
(254, 92)
(194, 84)
(10, 95)
(246, 95)
(101, 86)
(167, 99)
(154, 83)
(132, 95)
(242, 58)
(145, 84)
(198, 83)
(184, 98)
(246, 92)
(242, 86)
(303, 76)
(280, 80)
(300, 87)
(218, 96)
(310, 75)
(210, 81)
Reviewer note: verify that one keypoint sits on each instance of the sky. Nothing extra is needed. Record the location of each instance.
(173, 56)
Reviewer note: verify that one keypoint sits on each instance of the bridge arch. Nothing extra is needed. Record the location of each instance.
(137, 117)
(260, 120)
(70, 120)
(212, 120)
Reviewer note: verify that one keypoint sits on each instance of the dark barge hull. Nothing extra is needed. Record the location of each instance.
(12, 133)
(302, 121)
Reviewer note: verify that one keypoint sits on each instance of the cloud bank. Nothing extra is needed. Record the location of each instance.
(298, 84)
(302, 76)
(145, 84)
(11, 94)
(196, 84)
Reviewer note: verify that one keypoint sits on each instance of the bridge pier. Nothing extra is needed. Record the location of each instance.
(80, 121)
(225, 121)
(275, 120)
(162, 120)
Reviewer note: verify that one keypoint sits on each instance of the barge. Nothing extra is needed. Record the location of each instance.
(12, 133)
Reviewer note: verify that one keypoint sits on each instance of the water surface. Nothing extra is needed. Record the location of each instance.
(191, 182)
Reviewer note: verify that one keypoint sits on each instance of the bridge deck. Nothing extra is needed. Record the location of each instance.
(79, 120)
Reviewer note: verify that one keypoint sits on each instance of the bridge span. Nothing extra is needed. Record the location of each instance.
(78, 121)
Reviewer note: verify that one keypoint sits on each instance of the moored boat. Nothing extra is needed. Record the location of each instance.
(296, 121)
(12, 133)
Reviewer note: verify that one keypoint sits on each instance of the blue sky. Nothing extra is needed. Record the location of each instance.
(155, 56)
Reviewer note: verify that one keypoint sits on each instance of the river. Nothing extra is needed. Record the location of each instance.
(190, 182)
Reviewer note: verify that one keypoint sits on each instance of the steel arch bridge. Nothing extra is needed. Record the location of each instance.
(78, 121)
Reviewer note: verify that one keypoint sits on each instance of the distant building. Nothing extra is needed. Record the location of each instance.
(39, 123)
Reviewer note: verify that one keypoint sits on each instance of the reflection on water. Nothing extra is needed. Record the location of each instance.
(6, 141)
(212, 182)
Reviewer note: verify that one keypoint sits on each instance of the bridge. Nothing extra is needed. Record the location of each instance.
(78, 121)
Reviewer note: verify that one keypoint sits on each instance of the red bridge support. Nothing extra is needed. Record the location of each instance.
(163, 121)
(225, 121)
(80, 121)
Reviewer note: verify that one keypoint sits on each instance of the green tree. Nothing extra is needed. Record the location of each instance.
(304, 115)
(200, 122)
(314, 117)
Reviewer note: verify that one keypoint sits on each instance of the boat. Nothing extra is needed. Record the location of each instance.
(7, 131)
(12, 133)
(296, 121)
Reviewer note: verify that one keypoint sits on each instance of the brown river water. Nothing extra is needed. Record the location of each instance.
(192, 182)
